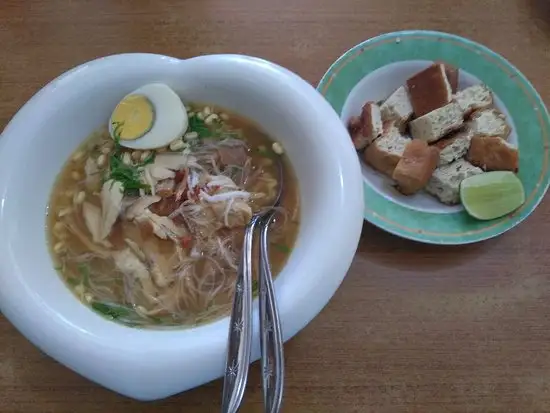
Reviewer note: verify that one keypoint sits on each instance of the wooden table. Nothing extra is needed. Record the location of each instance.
(414, 328)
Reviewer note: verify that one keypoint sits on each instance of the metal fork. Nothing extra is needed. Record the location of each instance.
(240, 331)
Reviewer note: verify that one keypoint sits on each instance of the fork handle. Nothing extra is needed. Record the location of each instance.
(271, 340)
(240, 329)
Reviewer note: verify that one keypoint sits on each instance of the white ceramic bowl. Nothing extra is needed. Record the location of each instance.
(145, 364)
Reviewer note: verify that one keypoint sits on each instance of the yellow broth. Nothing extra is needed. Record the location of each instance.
(192, 298)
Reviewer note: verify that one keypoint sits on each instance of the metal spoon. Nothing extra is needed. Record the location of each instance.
(271, 340)
(240, 326)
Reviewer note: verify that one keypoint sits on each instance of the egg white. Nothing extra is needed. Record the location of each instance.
(170, 119)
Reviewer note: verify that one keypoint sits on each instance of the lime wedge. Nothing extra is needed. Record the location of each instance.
(491, 195)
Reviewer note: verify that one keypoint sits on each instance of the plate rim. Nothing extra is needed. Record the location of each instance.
(451, 239)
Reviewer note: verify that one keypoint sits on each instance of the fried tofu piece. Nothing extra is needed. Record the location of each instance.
(489, 122)
(429, 90)
(474, 98)
(366, 128)
(438, 123)
(385, 152)
(397, 107)
(492, 153)
(454, 146)
(452, 76)
(355, 129)
(445, 181)
(415, 167)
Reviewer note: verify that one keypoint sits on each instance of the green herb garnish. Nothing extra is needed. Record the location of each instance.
(113, 311)
(73, 282)
(166, 320)
(84, 271)
(126, 315)
(128, 175)
(215, 130)
(255, 287)
(116, 133)
(266, 153)
(199, 126)
(281, 248)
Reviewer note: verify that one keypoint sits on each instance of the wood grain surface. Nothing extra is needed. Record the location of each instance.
(414, 328)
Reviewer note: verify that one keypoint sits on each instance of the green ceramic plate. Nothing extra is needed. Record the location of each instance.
(376, 67)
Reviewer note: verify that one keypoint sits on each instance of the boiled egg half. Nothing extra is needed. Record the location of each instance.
(149, 118)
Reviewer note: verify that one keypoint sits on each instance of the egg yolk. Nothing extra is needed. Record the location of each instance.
(136, 115)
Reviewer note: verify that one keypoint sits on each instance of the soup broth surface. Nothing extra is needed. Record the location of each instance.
(153, 238)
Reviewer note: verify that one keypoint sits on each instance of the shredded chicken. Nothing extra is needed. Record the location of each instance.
(163, 227)
(148, 180)
(135, 248)
(92, 218)
(160, 269)
(234, 213)
(174, 162)
(129, 264)
(112, 193)
(84, 239)
(225, 196)
(181, 187)
(139, 206)
(93, 177)
(193, 178)
(221, 181)
(160, 172)
(165, 187)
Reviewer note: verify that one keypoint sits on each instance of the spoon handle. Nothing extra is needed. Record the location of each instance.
(240, 329)
(271, 340)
